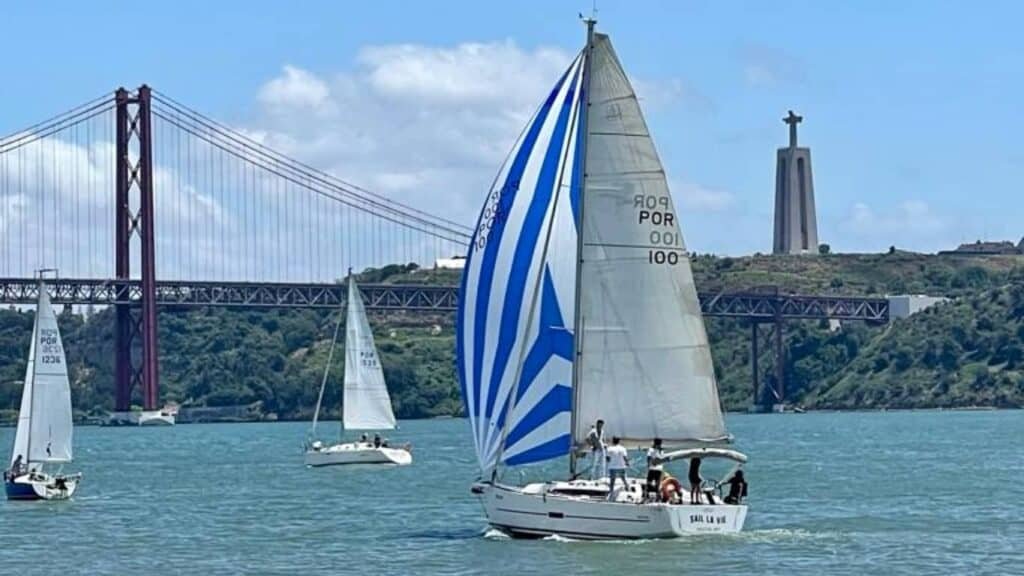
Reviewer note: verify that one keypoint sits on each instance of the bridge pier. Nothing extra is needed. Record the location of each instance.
(766, 400)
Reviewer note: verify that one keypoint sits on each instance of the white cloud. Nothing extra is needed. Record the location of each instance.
(697, 198)
(910, 224)
(425, 125)
(295, 90)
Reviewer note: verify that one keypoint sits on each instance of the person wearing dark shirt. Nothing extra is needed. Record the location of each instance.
(695, 480)
(737, 488)
(17, 468)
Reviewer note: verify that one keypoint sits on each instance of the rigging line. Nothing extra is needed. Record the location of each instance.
(264, 149)
(321, 192)
(285, 170)
(230, 145)
(20, 139)
(59, 117)
(306, 171)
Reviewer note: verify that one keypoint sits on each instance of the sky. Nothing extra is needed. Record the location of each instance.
(912, 109)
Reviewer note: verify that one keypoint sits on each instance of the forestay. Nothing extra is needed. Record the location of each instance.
(645, 366)
(44, 422)
(367, 405)
(515, 319)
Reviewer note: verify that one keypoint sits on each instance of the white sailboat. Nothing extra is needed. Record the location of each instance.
(557, 329)
(366, 404)
(43, 437)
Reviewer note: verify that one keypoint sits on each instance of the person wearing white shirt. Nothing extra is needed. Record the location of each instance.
(618, 461)
(655, 469)
(595, 441)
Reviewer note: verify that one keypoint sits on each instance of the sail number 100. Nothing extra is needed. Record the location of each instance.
(663, 257)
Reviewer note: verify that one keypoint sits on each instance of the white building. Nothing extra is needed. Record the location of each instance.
(453, 263)
(903, 305)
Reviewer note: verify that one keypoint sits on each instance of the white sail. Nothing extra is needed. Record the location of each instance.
(44, 423)
(645, 366)
(25, 414)
(367, 405)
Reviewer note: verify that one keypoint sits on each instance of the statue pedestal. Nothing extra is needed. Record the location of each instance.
(796, 224)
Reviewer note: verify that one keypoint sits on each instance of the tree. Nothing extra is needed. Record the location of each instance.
(824, 249)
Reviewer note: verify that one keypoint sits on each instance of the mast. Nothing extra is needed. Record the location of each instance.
(32, 393)
(577, 316)
(327, 369)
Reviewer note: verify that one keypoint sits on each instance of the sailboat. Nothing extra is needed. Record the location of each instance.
(43, 437)
(578, 304)
(366, 404)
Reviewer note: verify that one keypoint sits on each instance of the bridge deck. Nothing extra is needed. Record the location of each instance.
(406, 297)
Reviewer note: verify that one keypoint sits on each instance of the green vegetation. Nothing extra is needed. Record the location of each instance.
(968, 352)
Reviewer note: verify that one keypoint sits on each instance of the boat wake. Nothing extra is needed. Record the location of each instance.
(495, 534)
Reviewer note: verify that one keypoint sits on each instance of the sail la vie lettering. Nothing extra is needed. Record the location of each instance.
(656, 213)
(49, 347)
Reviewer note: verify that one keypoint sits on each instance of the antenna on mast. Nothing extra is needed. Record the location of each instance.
(592, 19)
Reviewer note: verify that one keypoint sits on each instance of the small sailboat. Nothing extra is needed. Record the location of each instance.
(366, 404)
(578, 304)
(43, 437)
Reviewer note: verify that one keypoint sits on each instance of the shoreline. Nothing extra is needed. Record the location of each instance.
(93, 422)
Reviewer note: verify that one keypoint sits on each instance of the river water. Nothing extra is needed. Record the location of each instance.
(852, 493)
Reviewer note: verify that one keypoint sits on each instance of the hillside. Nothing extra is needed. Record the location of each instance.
(964, 353)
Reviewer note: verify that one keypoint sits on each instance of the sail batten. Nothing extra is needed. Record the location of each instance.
(366, 403)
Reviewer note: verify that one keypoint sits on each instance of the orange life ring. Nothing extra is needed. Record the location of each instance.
(669, 486)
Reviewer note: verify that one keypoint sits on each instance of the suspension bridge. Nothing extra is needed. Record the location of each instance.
(141, 201)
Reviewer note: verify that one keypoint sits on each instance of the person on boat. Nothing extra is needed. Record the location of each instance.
(384, 443)
(695, 480)
(595, 441)
(376, 440)
(737, 488)
(364, 438)
(655, 469)
(17, 468)
(618, 461)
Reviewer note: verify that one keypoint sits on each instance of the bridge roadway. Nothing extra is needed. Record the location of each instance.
(760, 306)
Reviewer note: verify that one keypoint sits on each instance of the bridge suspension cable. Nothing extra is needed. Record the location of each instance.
(228, 206)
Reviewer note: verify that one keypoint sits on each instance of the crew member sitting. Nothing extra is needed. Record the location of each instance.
(17, 467)
(737, 488)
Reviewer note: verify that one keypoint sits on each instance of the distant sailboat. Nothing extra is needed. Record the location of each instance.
(366, 403)
(44, 429)
(578, 304)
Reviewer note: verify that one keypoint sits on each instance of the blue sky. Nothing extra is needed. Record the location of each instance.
(912, 109)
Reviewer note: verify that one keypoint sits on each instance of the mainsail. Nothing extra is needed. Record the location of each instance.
(643, 363)
(44, 422)
(367, 405)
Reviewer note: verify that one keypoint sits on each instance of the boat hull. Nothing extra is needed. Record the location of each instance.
(534, 511)
(357, 453)
(156, 418)
(41, 487)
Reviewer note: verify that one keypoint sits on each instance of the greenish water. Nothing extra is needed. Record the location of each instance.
(857, 493)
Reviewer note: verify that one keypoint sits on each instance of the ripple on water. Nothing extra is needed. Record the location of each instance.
(214, 499)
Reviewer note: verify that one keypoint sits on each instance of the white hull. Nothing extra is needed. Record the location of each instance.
(538, 510)
(156, 418)
(39, 486)
(358, 453)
